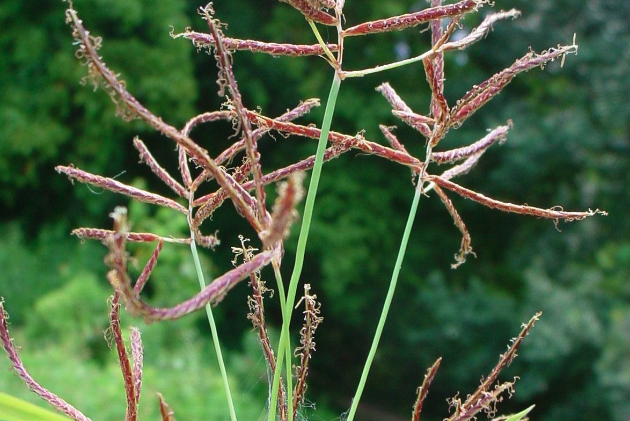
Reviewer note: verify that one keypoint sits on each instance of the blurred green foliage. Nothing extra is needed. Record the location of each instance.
(570, 145)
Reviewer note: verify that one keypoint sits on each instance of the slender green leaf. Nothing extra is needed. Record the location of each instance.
(14, 409)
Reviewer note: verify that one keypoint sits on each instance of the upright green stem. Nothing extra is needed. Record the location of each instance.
(283, 300)
(213, 329)
(388, 301)
(301, 246)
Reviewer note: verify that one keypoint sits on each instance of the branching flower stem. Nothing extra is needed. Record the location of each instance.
(301, 246)
(213, 326)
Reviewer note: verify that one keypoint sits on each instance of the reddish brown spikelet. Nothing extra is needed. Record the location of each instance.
(437, 65)
(312, 319)
(227, 79)
(479, 32)
(393, 98)
(206, 118)
(137, 353)
(463, 168)
(146, 157)
(201, 40)
(118, 187)
(504, 361)
(485, 403)
(417, 121)
(391, 138)
(312, 12)
(497, 135)
(423, 390)
(401, 22)
(52, 399)
(148, 269)
(509, 207)
(481, 94)
(439, 106)
(183, 166)
(290, 193)
(133, 237)
(165, 410)
(465, 247)
(123, 360)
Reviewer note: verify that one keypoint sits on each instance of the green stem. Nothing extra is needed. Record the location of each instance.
(382, 68)
(388, 301)
(301, 246)
(213, 329)
(276, 270)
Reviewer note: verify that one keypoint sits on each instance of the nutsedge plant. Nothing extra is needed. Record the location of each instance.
(245, 186)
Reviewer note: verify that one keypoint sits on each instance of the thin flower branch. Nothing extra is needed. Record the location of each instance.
(137, 353)
(465, 247)
(123, 359)
(132, 237)
(481, 94)
(504, 361)
(52, 399)
(201, 40)
(423, 390)
(410, 20)
(312, 12)
(290, 193)
(227, 80)
(146, 157)
(304, 351)
(118, 187)
(148, 269)
(165, 410)
(509, 207)
(497, 135)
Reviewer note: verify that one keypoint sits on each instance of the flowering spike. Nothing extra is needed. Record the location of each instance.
(201, 40)
(304, 351)
(497, 135)
(423, 390)
(312, 12)
(401, 22)
(479, 95)
(133, 237)
(145, 156)
(148, 269)
(226, 78)
(290, 193)
(417, 121)
(165, 410)
(52, 399)
(137, 353)
(437, 66)
(393, 98)
(465, 247)
(123, 360)
(504, 361)
(118, 187)
(509, 207)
